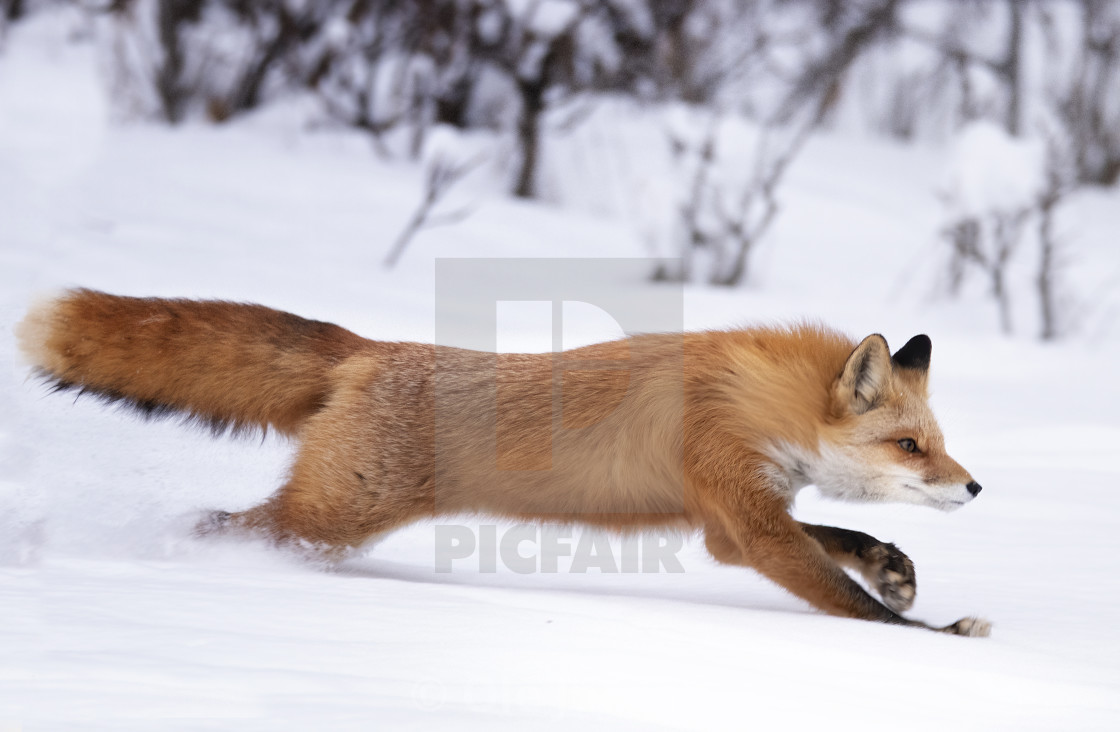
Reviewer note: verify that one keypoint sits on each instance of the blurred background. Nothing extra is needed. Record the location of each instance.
(698, 125)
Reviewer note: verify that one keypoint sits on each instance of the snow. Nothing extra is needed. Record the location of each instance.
(114, 618)
(991, 171)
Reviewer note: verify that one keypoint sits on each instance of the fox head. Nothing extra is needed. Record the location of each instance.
(882, 442)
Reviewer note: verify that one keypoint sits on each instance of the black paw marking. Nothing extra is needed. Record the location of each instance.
(891, 574)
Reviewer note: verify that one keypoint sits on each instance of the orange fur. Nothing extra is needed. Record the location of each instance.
(679, 431)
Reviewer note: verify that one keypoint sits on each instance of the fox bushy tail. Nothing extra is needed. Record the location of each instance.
(224, 364)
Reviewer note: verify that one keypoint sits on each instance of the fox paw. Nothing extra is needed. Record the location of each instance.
(971, 627)
(891, 574)
(212, 522)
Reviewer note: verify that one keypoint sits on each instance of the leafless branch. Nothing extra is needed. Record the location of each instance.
(441, 177)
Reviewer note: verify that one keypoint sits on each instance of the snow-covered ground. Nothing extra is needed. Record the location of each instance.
(112, 617)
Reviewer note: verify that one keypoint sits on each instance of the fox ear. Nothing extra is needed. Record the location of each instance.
(866, 375)
(915, 354)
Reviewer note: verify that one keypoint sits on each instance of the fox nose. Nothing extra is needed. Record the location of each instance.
(974, 488)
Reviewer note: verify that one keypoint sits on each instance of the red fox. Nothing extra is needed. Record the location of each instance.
(712, 431)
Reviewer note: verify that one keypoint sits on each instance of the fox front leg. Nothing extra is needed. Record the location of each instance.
(884, 567)
(789, 556)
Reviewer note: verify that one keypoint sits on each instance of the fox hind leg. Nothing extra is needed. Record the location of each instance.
(341, 491)
(323, 522)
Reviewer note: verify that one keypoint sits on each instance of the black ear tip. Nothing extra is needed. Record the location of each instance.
(915, 354)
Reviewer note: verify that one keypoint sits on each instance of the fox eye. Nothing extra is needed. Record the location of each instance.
(908, 444)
